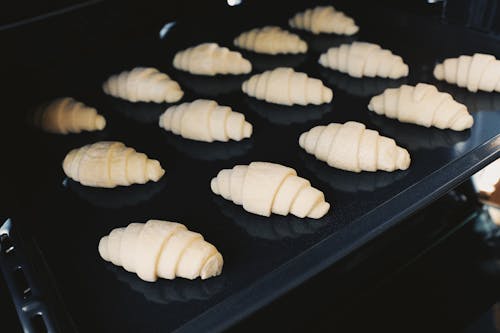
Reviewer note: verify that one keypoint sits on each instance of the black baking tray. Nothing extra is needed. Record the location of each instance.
(264, 257)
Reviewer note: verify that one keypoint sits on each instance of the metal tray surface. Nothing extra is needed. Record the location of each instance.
(264, 257)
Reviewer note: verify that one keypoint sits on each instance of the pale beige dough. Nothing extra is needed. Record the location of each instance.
(264, 188)
(283, 85)
(211, 59)
(161, 249)
(67, 115)
(270, 40)
(361, 59)
(143, 84)
(324, 19)
(477, 72)
(205, 120)
(423, 105)
(109, 164)
(353, 147)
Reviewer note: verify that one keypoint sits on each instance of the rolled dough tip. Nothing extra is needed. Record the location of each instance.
(319, 211)
(351, 30)
(212, 267)
(322, 60)
(100, 122)
(302, 140)
(439, 72)
(214, 186)
(406, 70)
(174, 96)
(103, 248)
(463, 123)
(327, 95)
(154, 170)
(247, 66)
(403, 159)
(247, 130)
(303, 47)
(370, 105)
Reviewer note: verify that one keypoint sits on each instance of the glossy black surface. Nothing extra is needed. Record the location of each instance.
(67, 220)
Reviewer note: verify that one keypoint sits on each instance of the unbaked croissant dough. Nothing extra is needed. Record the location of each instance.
(143, 84)
(285, 86)
(205, 120)
(66, 115)
(353, 147)
(270, 40)
(324, 19)
(479, 72)
(264, 188)
(423, 105)
(364, 59)
(211, 59)
(110, 163)
(161, 249)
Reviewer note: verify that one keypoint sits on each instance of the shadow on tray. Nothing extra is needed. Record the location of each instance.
(264, 62)
(286, 115)
(117, 197)
(275, 227)
(169, 291)
(211, 86)
(479, 101)
(360, 87)
(209, 151)
(146, 113)
(414, 137)
(351, 182)
(322, 42)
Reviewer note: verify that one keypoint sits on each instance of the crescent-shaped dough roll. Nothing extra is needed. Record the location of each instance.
(270, 40)
(477, 72)
(161, 249)
(285, 86)
(211, 59)
(66, 115)
(364, 59)
(143, 84)
(109, 164)
(205, 120)
(353, 147)
(423, 105)
(264, 188)
(324, 19)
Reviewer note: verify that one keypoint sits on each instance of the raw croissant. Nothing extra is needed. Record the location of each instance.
(353, 147)
(263, 187)
(270, 40)
(66, 115)
(205, 120)
(422, 105)
(479, 72)
(285, 86)
(108, 164)
(211, 59)
(324, 19)
(161, 249)
(364, 59)
(143, 84)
